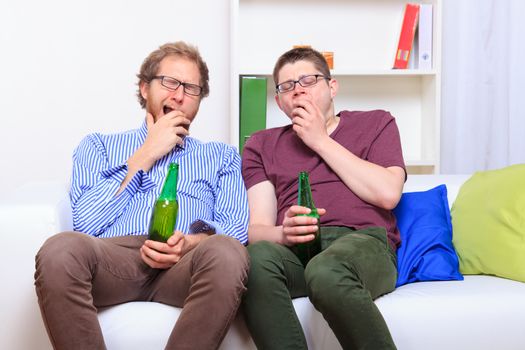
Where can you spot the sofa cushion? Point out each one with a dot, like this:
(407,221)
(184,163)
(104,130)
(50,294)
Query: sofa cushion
(488,217)
(480,312)
(426,252)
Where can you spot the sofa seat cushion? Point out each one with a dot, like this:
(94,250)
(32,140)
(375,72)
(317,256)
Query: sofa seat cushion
(457,314)
(423,315)
(147,325)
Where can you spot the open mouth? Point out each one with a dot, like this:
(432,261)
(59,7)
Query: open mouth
(167,109)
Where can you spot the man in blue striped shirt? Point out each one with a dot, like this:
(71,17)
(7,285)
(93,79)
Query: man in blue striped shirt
(116,179)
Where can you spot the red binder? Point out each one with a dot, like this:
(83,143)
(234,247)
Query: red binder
(406,38)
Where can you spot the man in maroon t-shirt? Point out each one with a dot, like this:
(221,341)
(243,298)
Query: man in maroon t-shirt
(357,172)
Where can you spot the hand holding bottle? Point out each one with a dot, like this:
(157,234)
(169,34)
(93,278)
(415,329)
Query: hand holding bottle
(298,227)
(307,250)
(160,255)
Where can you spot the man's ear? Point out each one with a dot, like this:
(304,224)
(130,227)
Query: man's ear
(144,87)
(278,101)
(334,87)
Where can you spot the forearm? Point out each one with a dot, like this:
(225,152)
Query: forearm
(265,233)
(98,207)
(140,160)
(94,199)
(372,183)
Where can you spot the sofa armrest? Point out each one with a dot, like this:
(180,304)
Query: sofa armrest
(45,204)
(28,216)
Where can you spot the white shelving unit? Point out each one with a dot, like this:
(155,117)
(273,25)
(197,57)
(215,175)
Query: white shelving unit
(363,35)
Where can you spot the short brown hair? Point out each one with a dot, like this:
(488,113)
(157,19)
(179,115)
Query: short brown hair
(301,54)
(150,66)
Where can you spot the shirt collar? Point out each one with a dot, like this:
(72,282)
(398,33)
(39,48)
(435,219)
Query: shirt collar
(143,131)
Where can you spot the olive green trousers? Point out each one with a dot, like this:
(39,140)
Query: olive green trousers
(353,269)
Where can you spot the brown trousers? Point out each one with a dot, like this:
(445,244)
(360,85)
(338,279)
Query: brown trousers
(77,273)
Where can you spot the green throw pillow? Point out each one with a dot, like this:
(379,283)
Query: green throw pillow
(488,220)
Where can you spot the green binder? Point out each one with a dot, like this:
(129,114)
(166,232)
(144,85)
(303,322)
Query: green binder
(252,107)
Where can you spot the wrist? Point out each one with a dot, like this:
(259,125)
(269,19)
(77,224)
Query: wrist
(322,144)
(141,160)
(281,237)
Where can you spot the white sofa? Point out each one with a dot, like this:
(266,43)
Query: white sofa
(481,312)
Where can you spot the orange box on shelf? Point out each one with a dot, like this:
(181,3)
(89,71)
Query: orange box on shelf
(329,57)
(302,46)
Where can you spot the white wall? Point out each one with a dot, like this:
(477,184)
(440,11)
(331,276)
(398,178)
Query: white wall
(68,68)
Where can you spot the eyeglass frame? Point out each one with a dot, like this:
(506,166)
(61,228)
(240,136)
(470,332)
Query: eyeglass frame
(162,77)
(317,76)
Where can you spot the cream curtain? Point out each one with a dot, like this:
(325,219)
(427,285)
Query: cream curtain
(483,85)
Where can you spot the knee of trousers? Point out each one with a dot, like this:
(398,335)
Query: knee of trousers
(61,256)
(265,261)
(325,273)
(264,251)
(224,257)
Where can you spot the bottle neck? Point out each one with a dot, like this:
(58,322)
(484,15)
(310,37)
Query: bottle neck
(169,189)
(305,193)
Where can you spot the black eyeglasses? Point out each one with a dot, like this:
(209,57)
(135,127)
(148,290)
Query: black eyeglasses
(173,84)
(304,81)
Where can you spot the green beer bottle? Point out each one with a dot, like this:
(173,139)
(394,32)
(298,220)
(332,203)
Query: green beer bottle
(306,251)
(164,215)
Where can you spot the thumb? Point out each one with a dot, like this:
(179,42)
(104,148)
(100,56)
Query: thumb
(149,120)
(175,238)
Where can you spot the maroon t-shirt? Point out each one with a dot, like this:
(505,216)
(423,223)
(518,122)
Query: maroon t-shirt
(278,155)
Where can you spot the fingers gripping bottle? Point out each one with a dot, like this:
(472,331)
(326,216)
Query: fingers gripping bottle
(306,251)
(164,215)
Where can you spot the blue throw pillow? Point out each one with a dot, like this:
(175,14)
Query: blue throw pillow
(426,252)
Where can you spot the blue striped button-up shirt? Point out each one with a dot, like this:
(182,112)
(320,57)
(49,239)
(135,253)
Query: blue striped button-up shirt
(210,190)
